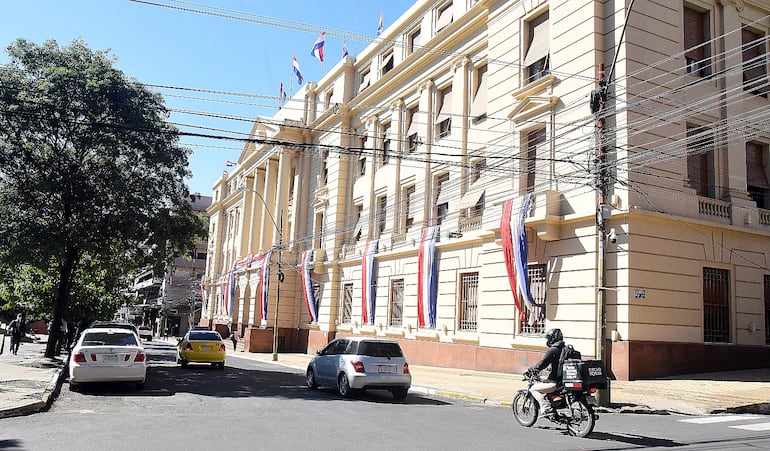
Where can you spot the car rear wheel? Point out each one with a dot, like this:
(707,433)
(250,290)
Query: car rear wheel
(310,379)
(343,386)
(399,394)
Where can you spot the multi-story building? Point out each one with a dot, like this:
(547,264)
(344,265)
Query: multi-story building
(485,170)
(171,302)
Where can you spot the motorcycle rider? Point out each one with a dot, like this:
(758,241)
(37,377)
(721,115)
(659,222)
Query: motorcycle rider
(555,342)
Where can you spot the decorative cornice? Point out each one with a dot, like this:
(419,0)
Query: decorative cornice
(738,4)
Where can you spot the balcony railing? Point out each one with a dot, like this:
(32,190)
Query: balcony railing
(764,217)
(468,224)
(714,207)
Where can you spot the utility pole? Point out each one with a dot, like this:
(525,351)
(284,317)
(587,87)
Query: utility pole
(278,289)
(603,212)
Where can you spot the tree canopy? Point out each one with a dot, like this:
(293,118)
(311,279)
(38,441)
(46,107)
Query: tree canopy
(92,175)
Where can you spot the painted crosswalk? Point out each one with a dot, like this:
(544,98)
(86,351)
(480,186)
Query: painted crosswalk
(745,422)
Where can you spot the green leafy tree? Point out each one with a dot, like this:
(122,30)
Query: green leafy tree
(91,172)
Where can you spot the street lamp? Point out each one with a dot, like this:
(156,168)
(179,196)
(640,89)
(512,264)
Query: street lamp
(279,230)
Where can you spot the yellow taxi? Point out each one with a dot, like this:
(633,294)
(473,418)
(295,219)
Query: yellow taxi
(201,346)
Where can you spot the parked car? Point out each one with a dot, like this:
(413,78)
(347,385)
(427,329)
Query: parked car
(201,346)
(145,333)
(360,363)
(108,355)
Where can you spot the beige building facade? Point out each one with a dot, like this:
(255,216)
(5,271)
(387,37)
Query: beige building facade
(407,169)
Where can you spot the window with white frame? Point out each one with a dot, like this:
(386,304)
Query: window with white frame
(385,150)
(444,16)
(386,63)
(411,129)
(382,213)
(441,183)
(408,207)
(537,58)
(413,42)
(347,304)
(538,285)
(479,103)
(469,301)
(697,41)
(444,108)
(396,302)
(754,48)
(364,80)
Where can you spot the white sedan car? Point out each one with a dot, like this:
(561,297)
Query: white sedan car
(108,355)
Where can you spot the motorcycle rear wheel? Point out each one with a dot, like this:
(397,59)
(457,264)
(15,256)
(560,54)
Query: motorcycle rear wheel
(525,409)
(583,419)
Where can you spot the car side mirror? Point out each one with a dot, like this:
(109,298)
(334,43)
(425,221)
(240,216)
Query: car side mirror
(319,352)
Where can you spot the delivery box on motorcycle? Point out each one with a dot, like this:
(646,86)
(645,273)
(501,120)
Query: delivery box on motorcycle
(583,374)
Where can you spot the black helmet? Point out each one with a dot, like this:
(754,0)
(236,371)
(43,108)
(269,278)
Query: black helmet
(553,336)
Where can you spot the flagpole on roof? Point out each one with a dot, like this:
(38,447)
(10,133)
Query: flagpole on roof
(291,77)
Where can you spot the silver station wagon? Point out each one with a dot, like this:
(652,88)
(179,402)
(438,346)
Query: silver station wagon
(360,363)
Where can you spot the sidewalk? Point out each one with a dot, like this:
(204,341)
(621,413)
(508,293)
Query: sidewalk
(28,382)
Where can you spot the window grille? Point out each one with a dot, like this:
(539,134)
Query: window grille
(347,304)
(469,301)
(396,302)
(537,286)
(716,305)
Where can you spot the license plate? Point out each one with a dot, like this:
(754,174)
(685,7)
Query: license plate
(591,400)
(385,368)
(205,348)
(110,357)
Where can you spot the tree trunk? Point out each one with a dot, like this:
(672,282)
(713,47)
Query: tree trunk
(61,302)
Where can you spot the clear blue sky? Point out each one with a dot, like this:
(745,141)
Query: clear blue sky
(170,47)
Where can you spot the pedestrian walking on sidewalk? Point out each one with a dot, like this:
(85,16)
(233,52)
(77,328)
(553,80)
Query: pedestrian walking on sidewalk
(16,328)
(234,337)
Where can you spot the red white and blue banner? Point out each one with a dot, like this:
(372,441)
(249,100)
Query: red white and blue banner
(264,282)
(508,256)
(230,291)
(318,47)
(368,274)
(427,278)
(204,301)
(307,286)
(520,251)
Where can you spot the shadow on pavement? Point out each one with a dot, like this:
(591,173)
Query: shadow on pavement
(165,378)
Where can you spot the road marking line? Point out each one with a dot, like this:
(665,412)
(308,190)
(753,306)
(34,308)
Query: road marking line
(714,419)
(754,427)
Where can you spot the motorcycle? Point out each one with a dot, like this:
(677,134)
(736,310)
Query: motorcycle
(572,403)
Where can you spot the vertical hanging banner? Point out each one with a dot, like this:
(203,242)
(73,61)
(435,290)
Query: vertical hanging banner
(221,298)
(204,301)
(264,282)
(508,256)
(427,278)
(368,275)
(520,251)
(307,285)
(230,291)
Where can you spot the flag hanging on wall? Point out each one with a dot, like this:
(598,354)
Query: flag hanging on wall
(520,251)
(508,255)
(318,47)
(427,278)
(368,281)
(307,285)
(295,69)
(204,301)
(264,282)
(230,291)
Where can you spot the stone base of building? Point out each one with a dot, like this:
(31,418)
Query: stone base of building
(629,360)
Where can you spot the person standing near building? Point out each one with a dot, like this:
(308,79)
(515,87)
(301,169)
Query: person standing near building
(234,337)
(16,328)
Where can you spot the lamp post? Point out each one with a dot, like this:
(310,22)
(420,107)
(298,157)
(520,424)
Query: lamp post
(279,246)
